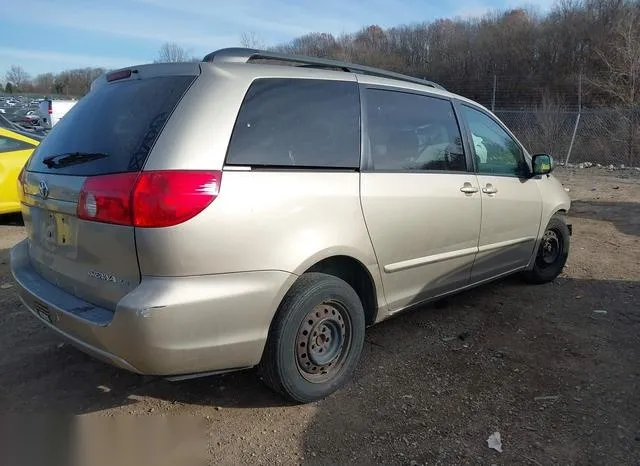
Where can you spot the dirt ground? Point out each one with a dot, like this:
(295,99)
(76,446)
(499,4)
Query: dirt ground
(554,368)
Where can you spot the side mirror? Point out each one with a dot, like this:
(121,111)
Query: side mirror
(542,164)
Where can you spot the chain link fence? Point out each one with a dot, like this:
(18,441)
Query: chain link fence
(609,137)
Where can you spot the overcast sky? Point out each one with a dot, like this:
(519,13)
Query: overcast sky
(53,35)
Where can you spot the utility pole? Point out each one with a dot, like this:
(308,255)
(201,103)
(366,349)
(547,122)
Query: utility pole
(573,139)
(493,97)
(575,128)
(580,92)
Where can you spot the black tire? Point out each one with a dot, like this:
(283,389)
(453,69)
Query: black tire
(552,253)
(321,305)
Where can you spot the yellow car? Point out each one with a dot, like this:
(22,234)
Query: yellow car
(15,149)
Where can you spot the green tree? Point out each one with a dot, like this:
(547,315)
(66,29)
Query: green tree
(8,88)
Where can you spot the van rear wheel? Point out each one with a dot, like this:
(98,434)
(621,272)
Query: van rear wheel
(315,340)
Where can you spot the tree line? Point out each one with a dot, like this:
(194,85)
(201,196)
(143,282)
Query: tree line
(531,59)
(74,82)
(77,82)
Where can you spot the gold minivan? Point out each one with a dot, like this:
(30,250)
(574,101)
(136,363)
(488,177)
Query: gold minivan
(190,219)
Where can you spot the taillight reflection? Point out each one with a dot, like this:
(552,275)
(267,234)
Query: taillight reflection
(21,181)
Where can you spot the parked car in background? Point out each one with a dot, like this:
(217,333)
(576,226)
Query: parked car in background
(51,111)
(8,124)
(15,114)
(228,214)
(31,119)
(15,149)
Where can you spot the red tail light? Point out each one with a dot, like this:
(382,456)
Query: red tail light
(169,198)
(50,108)
(116,75)
(149,199)
(107,198)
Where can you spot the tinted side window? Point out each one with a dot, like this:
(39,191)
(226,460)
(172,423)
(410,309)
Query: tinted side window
(298,123)
(413,132)
(8,144)
(496,153)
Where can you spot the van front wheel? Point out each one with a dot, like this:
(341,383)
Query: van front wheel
(552,253)
(315,340)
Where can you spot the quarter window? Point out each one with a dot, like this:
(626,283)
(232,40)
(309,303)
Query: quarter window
(298,123)
(412,132)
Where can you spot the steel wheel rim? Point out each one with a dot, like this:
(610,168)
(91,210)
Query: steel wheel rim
(550,248)
(323,341)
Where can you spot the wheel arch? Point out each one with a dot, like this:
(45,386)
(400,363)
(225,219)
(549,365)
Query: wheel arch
(562,209)
(357,275)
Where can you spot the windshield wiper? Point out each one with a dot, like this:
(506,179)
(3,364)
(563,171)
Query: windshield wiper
(72,158)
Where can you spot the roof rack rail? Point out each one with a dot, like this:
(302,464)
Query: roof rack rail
(243,55)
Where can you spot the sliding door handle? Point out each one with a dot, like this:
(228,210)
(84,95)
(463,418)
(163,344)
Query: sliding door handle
(489,189)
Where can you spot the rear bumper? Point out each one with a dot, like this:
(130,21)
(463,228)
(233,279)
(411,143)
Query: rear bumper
(167,325)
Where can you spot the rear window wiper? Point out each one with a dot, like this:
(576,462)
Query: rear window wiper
(72,158)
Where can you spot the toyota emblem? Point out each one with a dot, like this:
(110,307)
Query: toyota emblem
(44,190)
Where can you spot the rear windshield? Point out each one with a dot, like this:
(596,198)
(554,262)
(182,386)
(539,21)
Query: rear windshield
(119,121)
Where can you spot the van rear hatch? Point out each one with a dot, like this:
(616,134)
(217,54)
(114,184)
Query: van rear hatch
(100,145)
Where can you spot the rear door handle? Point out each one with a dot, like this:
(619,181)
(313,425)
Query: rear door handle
(489,189)
(468,188)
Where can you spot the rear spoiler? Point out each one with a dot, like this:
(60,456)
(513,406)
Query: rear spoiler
(147,71)
(6,124)
(33,135)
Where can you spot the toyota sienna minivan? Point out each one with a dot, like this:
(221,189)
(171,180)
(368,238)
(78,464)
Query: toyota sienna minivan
(261,210)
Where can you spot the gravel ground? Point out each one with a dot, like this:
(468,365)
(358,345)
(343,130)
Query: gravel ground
(554,368)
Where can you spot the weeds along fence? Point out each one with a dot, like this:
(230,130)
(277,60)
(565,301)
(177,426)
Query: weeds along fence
(603,136)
